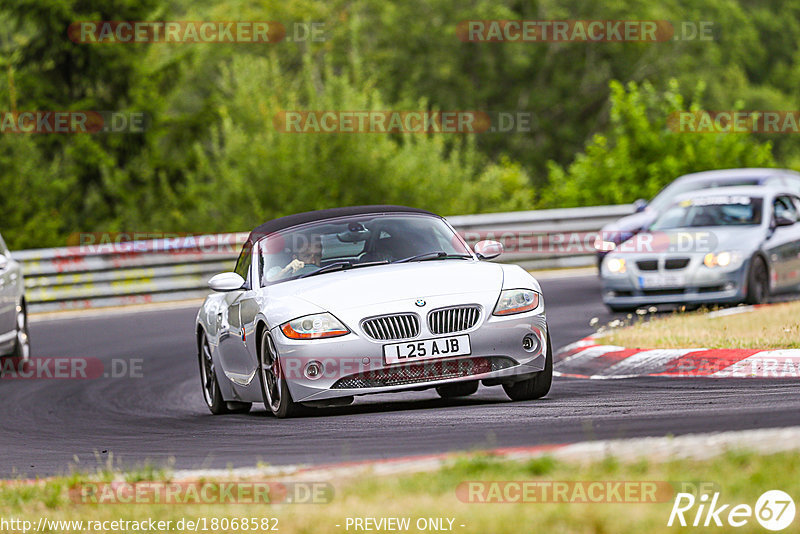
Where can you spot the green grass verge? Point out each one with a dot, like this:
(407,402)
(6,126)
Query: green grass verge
(740,477)
(768,327)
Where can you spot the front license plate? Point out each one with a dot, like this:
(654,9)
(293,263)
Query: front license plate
(427,349)
(661,280)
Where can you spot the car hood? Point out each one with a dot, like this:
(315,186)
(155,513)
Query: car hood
(368,286)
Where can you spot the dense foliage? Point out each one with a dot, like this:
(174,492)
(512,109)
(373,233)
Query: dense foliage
(212,160)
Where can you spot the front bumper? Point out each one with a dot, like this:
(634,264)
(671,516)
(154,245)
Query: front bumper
(701,285)
(354,364)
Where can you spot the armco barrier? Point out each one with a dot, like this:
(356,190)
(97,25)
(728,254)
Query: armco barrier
(164,270)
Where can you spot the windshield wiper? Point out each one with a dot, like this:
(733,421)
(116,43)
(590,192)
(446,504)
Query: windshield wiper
(341,266)
(330,267)
(440,255)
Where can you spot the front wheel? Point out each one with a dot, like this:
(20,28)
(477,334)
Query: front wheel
(208,379)
(537,386)
(274,388)
(757,282)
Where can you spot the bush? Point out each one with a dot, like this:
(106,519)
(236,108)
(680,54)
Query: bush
(639,155)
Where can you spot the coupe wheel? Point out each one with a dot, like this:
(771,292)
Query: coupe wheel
(757,282)
(537,386)
(274,389)
(208,380)
(459,389)
(22,347)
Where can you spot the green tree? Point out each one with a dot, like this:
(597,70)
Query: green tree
(640,154)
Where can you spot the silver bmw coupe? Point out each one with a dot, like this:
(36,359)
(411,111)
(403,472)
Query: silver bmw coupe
(327,305)
(718,246)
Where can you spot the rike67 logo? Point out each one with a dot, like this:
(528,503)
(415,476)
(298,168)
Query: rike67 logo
(774,510)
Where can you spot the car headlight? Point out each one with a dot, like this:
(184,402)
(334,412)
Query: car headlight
(513,301)
(315,326)
(616,265)
(604,246)
(722,259)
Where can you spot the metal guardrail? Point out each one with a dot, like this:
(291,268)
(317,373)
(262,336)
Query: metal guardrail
(159,270)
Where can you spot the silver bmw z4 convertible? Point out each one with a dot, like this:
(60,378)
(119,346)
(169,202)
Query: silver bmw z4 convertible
(326,305)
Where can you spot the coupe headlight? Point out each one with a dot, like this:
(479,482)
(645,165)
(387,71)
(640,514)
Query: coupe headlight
(616,265)
(315,326)
(722,259)
(516,301)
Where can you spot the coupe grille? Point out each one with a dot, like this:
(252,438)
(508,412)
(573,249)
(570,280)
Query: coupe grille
(449,320)
(676,263)
(392,327)
(424,372)
(647,265)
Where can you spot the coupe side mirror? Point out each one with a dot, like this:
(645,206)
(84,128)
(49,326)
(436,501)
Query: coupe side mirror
(486,250)
(226,282)
(783,221)
(639,205)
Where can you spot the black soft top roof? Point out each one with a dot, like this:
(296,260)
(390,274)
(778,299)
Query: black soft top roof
(281,223)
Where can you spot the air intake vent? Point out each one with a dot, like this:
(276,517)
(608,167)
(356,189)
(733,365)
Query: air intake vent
(676,263)
(424,372)
(647,265)
(392,327)
(449,320)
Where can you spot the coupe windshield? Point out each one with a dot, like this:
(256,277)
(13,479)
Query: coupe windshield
(718,210)
(355,242)
(668,194)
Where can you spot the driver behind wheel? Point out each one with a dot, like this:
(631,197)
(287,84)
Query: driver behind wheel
(308,254)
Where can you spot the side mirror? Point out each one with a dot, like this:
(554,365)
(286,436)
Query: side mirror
(639,205)
(226,282)
(486,250)
(783,221)
(3,263)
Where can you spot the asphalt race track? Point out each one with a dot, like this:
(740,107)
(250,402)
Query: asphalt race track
(51,426)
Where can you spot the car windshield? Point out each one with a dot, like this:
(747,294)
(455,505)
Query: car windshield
(668,194)
(355,242)
(717,210)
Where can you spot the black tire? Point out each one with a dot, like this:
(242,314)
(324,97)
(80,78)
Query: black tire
(277,398)
(537,386)
(459,389)
(22,345)
(757,281)
(208,381)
